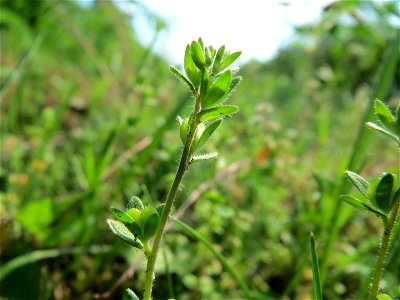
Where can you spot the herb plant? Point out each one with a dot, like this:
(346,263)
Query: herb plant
(381,196)
(210,81)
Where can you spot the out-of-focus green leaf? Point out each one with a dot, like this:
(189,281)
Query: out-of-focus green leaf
(36,216)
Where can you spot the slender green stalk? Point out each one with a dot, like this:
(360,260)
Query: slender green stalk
(385,78)
(183,165)
(384,249)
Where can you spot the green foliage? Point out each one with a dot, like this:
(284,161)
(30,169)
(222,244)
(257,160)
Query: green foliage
(136,225)
(88,118)
(383,194)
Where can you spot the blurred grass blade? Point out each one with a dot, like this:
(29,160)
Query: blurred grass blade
(315,270)
(38,255)
(224,262)
(21,65)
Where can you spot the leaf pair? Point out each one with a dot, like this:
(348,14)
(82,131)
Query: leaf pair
(136,225)
(383,193)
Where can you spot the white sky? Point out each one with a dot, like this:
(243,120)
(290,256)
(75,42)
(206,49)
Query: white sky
(255,27)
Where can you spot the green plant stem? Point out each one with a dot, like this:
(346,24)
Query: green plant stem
(383,251)
(183,165)
(385,78)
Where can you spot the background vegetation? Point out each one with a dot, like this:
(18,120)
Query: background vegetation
(88,119)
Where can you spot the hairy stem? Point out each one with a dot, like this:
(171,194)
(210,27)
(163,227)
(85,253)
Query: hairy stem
(183,165)
(383,251)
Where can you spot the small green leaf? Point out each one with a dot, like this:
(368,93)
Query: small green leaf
(209,57)
(207,134)
(135,202)
(191,70)
(149,222)
(218,112)
(383,130)
(203,157)
(199,133)
(383,297)
(218,90)
(234,83)
(201,43)
(182,77)
(230,59)
(217,61)
(198,55)
(359,182)
(160,209)
(385,116)
(395,199)
(184,129)
(383,192)
(121,231)
(131,294)
(204,83)
(398,118)
(360,205)
(213,53)
(134,213)
(121,215)
(315,270)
